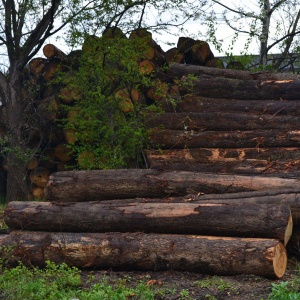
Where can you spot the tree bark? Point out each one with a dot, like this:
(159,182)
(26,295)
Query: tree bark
(231,88)
(75,186)
(139,251)
(176,139)
(176,71)
(259,221)
(193,103)
(222,121)
(277,161)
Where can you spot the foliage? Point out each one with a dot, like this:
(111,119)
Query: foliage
(63,282)
(107,121)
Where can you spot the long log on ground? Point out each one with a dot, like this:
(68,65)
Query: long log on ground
(193,103)
(177,70)
(219,120)
(138,251)
(237,161)
(93,185)
(260,221)
(176,139)
(230,88)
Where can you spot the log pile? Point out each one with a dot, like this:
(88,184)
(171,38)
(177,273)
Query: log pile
(220,196)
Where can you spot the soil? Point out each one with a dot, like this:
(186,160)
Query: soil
(186,285)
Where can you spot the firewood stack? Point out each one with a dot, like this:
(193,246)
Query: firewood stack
(221,193)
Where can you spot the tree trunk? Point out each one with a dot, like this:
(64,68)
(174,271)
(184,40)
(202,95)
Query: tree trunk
(231,88)
(175,139)
(259,221)
(139,251)
(131,183)
(17,188)
(193,103)
(222,121)
(238,161)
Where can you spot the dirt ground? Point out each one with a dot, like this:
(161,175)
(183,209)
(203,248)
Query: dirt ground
(186,285)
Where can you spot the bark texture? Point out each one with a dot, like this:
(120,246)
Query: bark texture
(265,220)
(72,186)
(204,254)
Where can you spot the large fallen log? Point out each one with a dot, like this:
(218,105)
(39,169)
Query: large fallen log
(193,103)
(222,121)
(93,185)
(179,139)
(260,221)
(229,88)
(177,70)
(138,251)
(277,161)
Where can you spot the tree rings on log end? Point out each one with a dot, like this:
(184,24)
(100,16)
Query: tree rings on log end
(279,257)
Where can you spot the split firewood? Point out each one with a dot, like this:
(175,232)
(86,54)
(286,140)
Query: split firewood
(260,221)
(139,251)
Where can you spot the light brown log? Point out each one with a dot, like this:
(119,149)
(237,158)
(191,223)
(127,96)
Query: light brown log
(260,221)
(37,193)
(192,103)
(32,164)
(176,71)
(51,51)
(63,153)
(39,176)
(222,121)
(173,55)
(146,67)
(158,91)
(69,94)
(131,183)
(229,88)
(176,139)
(276,161)
(138,251)
(36,65)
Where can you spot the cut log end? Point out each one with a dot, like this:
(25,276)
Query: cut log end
(288,230)
(279,259)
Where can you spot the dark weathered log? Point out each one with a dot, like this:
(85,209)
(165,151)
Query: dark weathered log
(130,183)
(277,161)
(192,103)
(177,70)
(176,139)
(222,121)
(195,52)
(231,88)
(260,221)
(138,251)
(290,196)
(51,51)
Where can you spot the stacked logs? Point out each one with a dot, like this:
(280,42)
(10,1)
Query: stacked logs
(92,223)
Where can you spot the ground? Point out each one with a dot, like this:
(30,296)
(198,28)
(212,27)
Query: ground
(186,285)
